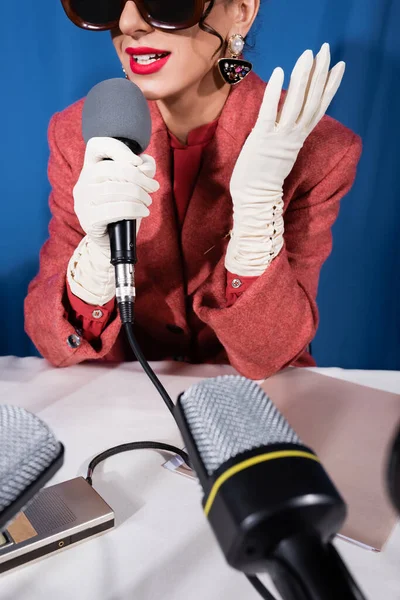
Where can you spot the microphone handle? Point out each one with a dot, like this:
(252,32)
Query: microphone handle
(123,242)
(304,568)
(123,255)
(123,234)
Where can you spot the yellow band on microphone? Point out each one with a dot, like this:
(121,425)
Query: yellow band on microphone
(250,462)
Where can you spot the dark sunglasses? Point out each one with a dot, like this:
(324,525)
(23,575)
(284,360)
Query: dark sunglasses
(99,15)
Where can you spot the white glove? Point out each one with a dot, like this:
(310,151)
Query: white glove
(269,155)
(107,191)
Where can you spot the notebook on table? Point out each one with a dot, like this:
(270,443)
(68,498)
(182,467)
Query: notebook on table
(351,428)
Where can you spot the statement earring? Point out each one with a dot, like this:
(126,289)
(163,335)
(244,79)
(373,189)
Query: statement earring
(125,73)
(231,67)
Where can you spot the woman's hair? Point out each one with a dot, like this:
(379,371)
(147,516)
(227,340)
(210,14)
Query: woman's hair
(207,28)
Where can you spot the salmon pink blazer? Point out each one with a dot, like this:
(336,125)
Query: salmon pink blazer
(181,309)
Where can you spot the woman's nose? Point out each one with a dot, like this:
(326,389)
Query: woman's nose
(131,21)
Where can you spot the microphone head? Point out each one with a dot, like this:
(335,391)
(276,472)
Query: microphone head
(261,484)
(117,108)
(229,415)
(29,456)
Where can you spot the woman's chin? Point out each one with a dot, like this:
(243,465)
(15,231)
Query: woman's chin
(153,95)
(151,90)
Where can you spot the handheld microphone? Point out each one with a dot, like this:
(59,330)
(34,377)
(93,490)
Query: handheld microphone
(29,457)
(117,108)
(268,499)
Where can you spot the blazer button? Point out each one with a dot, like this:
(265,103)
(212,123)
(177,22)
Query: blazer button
(236,283)
(175,329)
(74,341)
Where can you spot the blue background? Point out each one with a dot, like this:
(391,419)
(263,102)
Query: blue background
(47,63)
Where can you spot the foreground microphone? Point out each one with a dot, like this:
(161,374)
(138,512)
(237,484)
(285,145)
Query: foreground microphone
(117,108)
(268,499)
(29,457)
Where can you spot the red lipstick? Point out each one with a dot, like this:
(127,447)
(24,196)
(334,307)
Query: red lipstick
(156,59)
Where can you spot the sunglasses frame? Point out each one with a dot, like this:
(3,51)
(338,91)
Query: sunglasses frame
(141,6)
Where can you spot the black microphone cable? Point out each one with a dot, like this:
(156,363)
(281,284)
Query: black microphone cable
(126,314)
(260,587)
(127,448)
(147,369)
(126,311)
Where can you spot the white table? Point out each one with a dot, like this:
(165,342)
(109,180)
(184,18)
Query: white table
(162,547)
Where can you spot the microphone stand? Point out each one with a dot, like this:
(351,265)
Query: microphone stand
(304,568)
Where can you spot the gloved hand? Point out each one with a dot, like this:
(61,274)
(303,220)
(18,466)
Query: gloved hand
(107,191)
(269,155)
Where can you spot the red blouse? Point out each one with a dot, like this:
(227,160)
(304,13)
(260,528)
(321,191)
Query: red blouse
(186,163)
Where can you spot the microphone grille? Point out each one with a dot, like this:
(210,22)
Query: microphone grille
(228,415)
(117,108)
(28,447)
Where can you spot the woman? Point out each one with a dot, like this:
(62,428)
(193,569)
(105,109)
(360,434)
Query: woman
(234,231)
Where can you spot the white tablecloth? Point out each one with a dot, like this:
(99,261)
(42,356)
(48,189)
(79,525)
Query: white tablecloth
(162,548)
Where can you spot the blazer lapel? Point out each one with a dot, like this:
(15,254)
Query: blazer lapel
(165,259)
(208,220)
